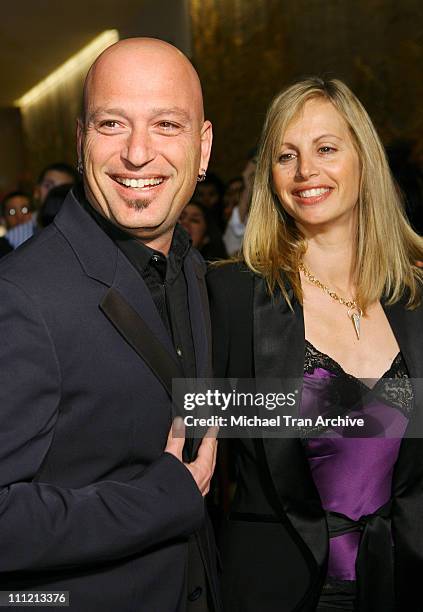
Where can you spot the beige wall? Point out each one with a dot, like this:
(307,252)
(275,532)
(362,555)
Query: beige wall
(246,51)
(49,125)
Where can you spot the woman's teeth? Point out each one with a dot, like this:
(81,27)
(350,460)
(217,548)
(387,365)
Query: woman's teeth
(312,193)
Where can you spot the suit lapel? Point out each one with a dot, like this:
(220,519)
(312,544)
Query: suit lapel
(127,303)
(135,331)
(130,308)
(133,290)
(279,353)
(407,326)
(198,304)
(199,314)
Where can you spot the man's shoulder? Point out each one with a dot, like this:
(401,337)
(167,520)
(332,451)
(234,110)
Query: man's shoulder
(40,260)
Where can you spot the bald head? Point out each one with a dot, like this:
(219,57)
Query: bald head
(143,140)
(146,55)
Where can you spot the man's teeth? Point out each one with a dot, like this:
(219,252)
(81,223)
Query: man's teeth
(137,183)
(312,193)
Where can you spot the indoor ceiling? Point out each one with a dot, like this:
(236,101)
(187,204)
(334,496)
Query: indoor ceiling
(37,36)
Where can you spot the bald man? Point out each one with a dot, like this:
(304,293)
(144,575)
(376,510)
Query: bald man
(98,313)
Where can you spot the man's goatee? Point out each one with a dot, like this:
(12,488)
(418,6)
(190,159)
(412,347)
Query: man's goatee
(139,204)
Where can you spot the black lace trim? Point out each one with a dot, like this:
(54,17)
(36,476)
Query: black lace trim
(393,388)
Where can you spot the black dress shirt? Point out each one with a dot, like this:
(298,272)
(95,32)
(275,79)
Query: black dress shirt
(165,279)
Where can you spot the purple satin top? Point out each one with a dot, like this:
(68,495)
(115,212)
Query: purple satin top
(352,474)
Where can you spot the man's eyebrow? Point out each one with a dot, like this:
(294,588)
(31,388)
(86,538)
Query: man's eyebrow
(173,110)
(104,110)
(154,112)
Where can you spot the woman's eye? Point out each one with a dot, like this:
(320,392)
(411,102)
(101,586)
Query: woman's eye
(286,157)
(326,149)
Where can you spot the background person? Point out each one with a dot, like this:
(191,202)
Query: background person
(54,175)
(52,204)
(16,209)
(232,193)
(327,291)
(235,227)
(51,176)
(203,230)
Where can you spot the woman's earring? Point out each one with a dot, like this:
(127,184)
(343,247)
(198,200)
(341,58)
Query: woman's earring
(80,166)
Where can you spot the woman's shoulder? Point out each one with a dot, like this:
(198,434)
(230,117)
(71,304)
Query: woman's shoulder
(229,276)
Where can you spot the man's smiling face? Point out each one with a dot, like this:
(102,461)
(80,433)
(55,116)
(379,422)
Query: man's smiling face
(144,140)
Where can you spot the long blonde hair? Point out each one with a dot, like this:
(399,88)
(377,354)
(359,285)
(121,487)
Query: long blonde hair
(387,248)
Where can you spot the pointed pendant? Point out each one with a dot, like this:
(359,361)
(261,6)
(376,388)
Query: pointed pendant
(356,321)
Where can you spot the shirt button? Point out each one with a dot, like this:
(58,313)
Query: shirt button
(179,352)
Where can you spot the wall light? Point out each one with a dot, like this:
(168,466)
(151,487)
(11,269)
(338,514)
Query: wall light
(85,56)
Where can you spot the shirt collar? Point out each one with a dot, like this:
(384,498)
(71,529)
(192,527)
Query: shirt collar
(168,267)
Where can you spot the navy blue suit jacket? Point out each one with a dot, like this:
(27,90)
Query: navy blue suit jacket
(88,500)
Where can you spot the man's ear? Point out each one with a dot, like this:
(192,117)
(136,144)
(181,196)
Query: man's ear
(206,145)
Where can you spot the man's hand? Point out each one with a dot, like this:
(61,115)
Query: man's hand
(203,467)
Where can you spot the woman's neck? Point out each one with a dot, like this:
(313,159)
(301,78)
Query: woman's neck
(330,257)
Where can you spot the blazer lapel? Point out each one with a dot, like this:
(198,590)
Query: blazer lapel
(133,289)
(198,304)
(407,481)
(407,326)
(135,331)
(279,353)
(130,308)
(199,314)
(127,303)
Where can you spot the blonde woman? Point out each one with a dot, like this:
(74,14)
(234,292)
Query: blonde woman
(327,289)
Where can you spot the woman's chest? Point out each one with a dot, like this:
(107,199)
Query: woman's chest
(330,328)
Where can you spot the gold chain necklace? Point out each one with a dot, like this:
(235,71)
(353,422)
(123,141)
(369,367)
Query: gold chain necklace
(354,311)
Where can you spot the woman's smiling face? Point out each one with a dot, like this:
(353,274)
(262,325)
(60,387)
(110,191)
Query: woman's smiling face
(317,174)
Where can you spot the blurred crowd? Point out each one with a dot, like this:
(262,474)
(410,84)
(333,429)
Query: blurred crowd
(216,215)
(22,213)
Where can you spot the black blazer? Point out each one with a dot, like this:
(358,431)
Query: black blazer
(276,542)
(89,502)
